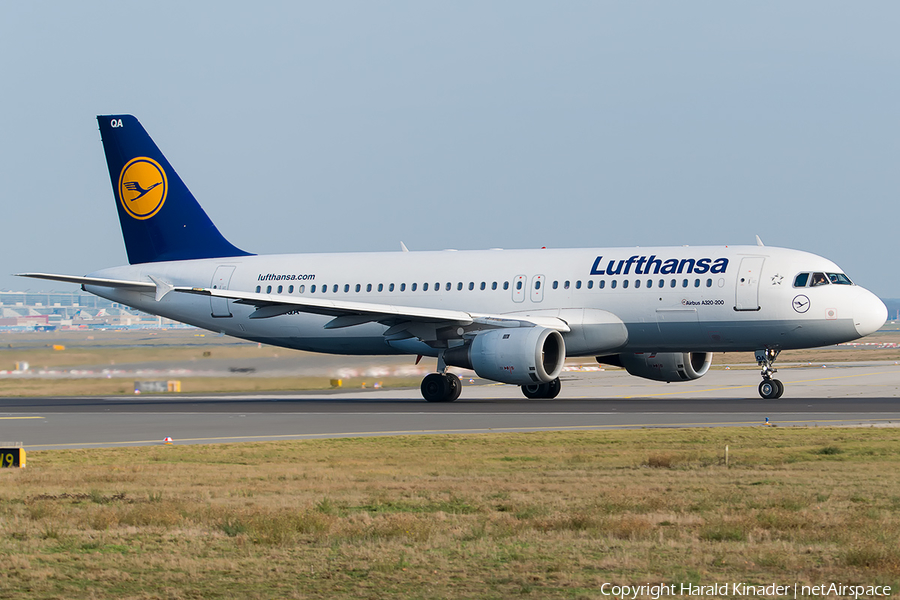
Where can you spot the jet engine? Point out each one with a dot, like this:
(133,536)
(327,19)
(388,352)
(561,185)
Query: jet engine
(662,366)
(521,355)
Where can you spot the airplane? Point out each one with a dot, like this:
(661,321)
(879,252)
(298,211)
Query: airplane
(511,316)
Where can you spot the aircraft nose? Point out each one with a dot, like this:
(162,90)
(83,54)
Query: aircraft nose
(869,313)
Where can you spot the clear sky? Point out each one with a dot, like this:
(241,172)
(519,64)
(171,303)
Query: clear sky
(348,126)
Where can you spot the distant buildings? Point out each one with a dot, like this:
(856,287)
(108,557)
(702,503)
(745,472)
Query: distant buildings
(71,310)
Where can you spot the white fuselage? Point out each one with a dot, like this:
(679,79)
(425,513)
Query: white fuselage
(725,298)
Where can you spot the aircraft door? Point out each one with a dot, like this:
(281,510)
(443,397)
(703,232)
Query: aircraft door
(747,292)
(220,281)
(518,291)
(537,288)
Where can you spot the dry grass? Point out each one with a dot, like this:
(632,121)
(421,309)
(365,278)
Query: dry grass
(553,515)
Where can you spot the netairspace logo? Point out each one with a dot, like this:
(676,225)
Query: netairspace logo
(744,590)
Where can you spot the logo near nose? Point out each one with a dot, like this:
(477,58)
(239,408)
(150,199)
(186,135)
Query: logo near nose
(142,187)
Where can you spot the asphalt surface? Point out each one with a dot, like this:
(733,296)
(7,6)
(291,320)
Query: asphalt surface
(866,394)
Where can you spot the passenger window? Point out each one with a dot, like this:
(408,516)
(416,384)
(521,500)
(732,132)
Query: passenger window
(279,289)
(402,287)
(483,285)
(537,284)
(625,284)
(324,288)
(346,287)
(425,287)
(290,289)
(391,288)
(449,285)
(612,284)
(649,283)
(494,286)
(819,279)
(459,285)
(801,280)
(637,283)
(412,288)
(312,289)
(268,289)
(301,289)
(336,288)
(566,285)
(672,283)
(662,283)
(368,287)
(358,287)
(471,285)
(505,285)
(380,287)
(696,283)
(602,284)
(578,285)
(709,283)
(555,284)
(684,283)
(258,289)
(590,284)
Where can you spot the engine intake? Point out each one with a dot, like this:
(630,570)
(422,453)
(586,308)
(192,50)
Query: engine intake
(521,355)
(662,366)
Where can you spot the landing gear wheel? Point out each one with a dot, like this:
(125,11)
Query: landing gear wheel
(542,390)
(771,389)
(441,387)
(533,390)
(780,388)
(553,389)
(454,385)
(435,387)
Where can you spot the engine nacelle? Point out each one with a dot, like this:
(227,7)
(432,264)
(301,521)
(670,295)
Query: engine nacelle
(664,366)
(520,355)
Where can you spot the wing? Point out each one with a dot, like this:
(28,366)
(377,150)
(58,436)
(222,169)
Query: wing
(160,288)
(427,324)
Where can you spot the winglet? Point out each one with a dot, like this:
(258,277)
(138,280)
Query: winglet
(759,241)
(403,247)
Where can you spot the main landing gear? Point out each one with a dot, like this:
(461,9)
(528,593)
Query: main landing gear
(542,390)
(441,387)
(769,389)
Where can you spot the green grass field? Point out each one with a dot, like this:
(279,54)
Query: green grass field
(541,515)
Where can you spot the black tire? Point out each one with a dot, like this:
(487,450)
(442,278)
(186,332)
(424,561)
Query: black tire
(768,389)
(780,388)
(553,389)
(435,388)
(454,385)
(533,390)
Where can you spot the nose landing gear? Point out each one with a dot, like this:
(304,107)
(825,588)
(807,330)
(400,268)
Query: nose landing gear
(769,389)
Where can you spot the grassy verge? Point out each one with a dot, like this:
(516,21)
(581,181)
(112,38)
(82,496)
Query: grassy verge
(550,515)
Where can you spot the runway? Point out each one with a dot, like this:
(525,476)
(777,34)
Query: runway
(845,395)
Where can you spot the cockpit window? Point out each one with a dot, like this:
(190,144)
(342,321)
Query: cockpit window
(819,279)
(839,279)
(801,280)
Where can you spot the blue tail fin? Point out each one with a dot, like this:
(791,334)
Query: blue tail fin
(160,218)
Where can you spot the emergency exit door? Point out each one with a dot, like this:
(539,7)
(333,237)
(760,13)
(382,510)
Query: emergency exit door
(747,292)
